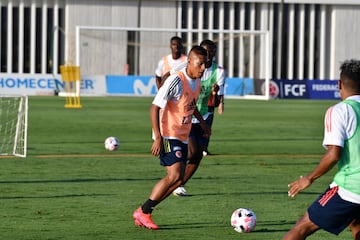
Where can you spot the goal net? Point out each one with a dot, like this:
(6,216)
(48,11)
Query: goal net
(13,125)
(136,51)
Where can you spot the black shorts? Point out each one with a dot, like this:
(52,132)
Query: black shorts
(197,133)
(331,213)
(172,151)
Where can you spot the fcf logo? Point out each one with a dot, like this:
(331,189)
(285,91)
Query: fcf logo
(296,90)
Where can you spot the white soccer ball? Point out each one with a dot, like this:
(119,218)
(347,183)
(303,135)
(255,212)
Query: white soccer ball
(112,143)
(243,220)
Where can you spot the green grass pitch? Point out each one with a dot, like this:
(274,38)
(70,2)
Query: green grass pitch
(70,187)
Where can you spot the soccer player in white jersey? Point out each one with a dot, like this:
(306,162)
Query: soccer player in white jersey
(170,61)
(339,206)
(177,101)
(212,88)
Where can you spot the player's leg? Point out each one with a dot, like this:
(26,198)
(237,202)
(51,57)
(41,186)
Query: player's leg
(181,191)
(196,147)
(194,157)
(162,189)
(303,228)
(197,143)
(209,122)
(355,229)
(329,212)
(192,147)
(193,163)
(173,157)
(172,180)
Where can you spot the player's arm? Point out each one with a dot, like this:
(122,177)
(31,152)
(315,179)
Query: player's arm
(158,81)
(329,159)
(167,74)
(221,106)
(165,94)
(214,98)
(220,92)
(159,73)
(155,124)
(204,126)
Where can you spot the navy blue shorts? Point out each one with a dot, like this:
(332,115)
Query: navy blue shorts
(173,151)
(331,213)
(197,133)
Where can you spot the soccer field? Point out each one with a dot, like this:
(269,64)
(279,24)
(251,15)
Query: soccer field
(70,187)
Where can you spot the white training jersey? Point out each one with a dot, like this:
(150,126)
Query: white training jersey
(173,63)
(171,90)
(340,124)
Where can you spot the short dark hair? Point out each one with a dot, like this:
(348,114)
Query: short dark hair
(350,73)
(208,42)
(198,50)
(176,38)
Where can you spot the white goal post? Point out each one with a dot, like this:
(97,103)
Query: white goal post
(101,50)
(13,125)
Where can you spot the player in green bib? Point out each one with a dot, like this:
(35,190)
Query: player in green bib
(348,175)
(206,93)
(339,206)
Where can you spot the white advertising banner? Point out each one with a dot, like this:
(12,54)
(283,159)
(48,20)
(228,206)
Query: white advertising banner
(47,84)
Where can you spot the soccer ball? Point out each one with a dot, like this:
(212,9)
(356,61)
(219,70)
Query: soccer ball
(111,143)
(243,220)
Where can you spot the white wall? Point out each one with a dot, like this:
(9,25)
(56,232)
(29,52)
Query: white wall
(101,52)
(155,14)
(346,35)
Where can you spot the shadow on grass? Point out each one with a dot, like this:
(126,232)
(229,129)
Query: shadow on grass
(275,223)
(260,164)
(270,226)
(266,230)
(252,193)
(262,227)
(188,225)
(55,196)
(79,180)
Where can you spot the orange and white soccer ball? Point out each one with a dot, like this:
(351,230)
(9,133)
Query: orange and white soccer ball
(243,220)
(112,143)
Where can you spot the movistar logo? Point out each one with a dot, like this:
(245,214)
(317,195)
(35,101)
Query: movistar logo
(141,88)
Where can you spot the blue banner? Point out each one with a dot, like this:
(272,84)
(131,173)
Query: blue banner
(47,84)
(307,89)
(323,89)
(146,85)
(131,85)
(296,89)
(239,86)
